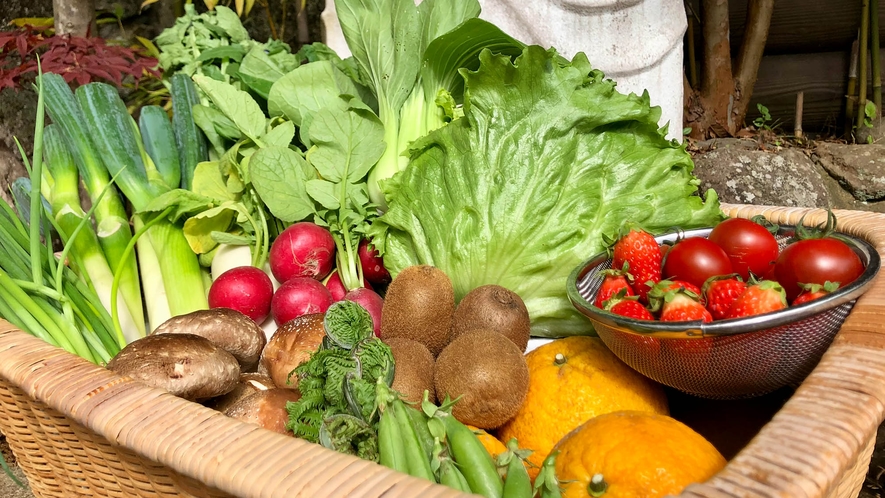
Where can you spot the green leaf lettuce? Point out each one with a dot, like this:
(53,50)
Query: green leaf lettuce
(520,190)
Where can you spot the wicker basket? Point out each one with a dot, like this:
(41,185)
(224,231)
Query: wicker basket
(80,430)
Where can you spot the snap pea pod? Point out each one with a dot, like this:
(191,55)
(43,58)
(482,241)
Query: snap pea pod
(417,461)
(517,484)
(390,443)
(547,484)
(450,476)
(419,423)
(478,468)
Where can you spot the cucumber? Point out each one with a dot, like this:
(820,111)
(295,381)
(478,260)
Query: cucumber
(159,143)
(192,146)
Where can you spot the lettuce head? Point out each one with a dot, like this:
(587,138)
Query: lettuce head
(546,159)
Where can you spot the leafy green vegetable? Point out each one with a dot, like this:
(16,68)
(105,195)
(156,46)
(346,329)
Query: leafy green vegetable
(239,107)
(215,44)
(329,184)
(521,189)
(406,54)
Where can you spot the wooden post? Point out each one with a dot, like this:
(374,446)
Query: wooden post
(74,17)
(797,127)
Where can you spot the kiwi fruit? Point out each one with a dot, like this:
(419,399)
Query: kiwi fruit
(419,305)
(493,307)
(414,369)
(489,375)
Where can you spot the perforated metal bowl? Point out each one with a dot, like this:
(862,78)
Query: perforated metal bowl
(724,359)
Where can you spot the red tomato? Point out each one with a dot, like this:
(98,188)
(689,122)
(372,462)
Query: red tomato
(814,261)
(749,246)
(694,260)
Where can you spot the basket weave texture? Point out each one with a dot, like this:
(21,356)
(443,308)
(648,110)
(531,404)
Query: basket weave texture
(80,430)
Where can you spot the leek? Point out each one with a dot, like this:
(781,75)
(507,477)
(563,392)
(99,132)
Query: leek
(68,215)
(112,223)
(67,315)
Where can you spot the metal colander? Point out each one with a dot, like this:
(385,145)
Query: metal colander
(724,359)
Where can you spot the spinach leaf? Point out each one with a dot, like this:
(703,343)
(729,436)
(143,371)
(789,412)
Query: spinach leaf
(259,72)
(346,143)
(306,90)
(237,105)
(279,176)
(281,135)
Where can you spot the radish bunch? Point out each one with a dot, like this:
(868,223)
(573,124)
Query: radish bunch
(302,260)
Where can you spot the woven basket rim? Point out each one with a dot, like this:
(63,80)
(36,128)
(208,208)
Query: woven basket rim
(784,459)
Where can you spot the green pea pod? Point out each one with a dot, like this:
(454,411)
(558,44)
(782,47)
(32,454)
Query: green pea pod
(419,423)
(517,484)
(417,461)
(450,476)
(473,459)
(547,484)
(390,442)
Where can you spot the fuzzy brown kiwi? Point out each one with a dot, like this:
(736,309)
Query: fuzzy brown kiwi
(414,369)
(418,305)
(495,308)
(489,374)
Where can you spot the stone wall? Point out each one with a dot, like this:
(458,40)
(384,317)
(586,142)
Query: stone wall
(835,175)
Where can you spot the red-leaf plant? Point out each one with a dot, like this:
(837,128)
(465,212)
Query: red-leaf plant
(79,60)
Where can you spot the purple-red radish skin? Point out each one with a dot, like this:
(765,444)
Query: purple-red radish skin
(336,287)
(299,296)
(302,250)
(246,289)
(372,302)
(373,265)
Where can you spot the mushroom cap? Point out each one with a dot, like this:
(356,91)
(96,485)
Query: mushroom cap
(186,365)
(290,346)
(265,408)
(228,329)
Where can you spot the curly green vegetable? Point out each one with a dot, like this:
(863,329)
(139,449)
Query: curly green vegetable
(338,406)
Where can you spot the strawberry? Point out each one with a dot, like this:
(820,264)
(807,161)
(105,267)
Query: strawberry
(681,305)
(628,306)
(641,252)
(660,289)
(612,282)
(811,292)
(761,297)
(721,292)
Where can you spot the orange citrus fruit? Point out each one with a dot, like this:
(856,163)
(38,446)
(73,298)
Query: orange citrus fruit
(572,380)
(633,455)
(490,442)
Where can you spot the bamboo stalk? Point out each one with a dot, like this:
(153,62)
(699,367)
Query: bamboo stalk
(862,56)
(874,47)
(851,93)
(797,127)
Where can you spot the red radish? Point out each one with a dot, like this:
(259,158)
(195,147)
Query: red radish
(299,296)
(302,250)
(246,289)
(336,287)
(372,302)
(373,265)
